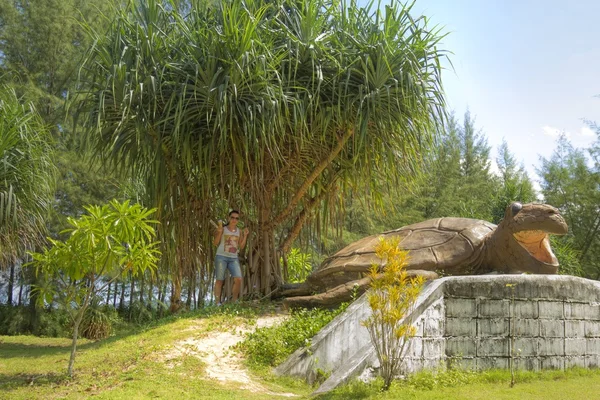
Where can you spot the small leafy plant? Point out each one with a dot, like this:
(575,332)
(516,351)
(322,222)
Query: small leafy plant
(391,297)
(103,245)
(299,265)
(271,346)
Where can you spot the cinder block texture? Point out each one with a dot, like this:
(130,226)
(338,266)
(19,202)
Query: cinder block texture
(480,322)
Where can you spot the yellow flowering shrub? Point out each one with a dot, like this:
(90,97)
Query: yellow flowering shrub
(392,296)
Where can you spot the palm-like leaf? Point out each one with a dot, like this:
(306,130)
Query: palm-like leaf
(26,176)
(269,103)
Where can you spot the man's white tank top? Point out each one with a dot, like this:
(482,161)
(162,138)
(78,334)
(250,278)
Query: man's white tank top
(230,243)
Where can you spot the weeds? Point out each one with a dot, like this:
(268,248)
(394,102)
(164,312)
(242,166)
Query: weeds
(271,346)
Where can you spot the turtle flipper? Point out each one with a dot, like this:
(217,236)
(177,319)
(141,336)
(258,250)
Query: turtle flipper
(339,294)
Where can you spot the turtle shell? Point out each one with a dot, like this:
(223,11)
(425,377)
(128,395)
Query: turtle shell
(451,245)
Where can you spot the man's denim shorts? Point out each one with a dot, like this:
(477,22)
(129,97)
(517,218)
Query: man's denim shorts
(232,264)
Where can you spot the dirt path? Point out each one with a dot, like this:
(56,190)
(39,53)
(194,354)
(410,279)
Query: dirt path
(223,363)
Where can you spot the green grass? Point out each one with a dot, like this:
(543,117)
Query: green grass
(130,366)
(572,384)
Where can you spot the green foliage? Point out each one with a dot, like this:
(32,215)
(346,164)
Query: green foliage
(570,183)
(266,104)
(98,321)
(54,323)
(42,43)
(457,180)
(467,384)
(139,313)
(430,380)
(80,183)
(299,265)
(26,176)
(515,184)
(391,297)
(109,242)
(568,256)
(15,320)
(271,346)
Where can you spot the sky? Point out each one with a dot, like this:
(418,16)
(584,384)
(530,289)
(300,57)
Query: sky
(527,70)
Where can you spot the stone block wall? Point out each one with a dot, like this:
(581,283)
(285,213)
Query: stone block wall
(426,348)
(542,332)
(544,321)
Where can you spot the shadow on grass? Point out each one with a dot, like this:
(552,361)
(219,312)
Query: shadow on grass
(20,350)
(9,349)
(14,381)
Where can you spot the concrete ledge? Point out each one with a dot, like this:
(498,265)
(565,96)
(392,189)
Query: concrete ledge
(479,322)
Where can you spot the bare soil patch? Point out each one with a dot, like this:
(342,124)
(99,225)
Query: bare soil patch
(223,364)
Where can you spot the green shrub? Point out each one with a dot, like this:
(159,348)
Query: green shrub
(16,320)
(271,346)
(54,323)
(430,380)
(568,256)
(139,313)
(299,265)
(98,321)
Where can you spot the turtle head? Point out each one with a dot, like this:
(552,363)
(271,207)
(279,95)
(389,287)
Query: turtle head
(523,244)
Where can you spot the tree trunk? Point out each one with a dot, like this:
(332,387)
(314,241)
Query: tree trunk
(150,292)
(19,301)
(176,292)
(188,299)
(76,324)
(21,284)
(162,298)
(74,343)
(132,289)
(34,312)
(11,280)
(108,293)
(164,292)
(159,290)
(142,288)
(115,295)
(122,298)
(265,284)
(286,274)
(194,290)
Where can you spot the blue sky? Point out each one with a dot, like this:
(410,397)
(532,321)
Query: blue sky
(526,69)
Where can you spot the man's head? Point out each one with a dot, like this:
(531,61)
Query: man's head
(234,217)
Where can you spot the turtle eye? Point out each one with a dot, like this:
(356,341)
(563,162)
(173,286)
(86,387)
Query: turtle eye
(515,208)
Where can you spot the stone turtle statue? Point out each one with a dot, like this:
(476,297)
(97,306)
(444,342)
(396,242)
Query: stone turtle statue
(452,246)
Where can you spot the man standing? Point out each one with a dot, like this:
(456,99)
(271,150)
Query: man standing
(230,241)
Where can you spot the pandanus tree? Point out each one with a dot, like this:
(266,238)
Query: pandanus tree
(26,177)
(271,105)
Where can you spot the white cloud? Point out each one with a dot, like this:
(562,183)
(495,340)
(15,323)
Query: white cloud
(494,169)
(554,132)
(586,131)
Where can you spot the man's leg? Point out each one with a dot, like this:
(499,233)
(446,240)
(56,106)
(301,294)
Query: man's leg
(237,284)
(218,287)
(220,266)
(236,272)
